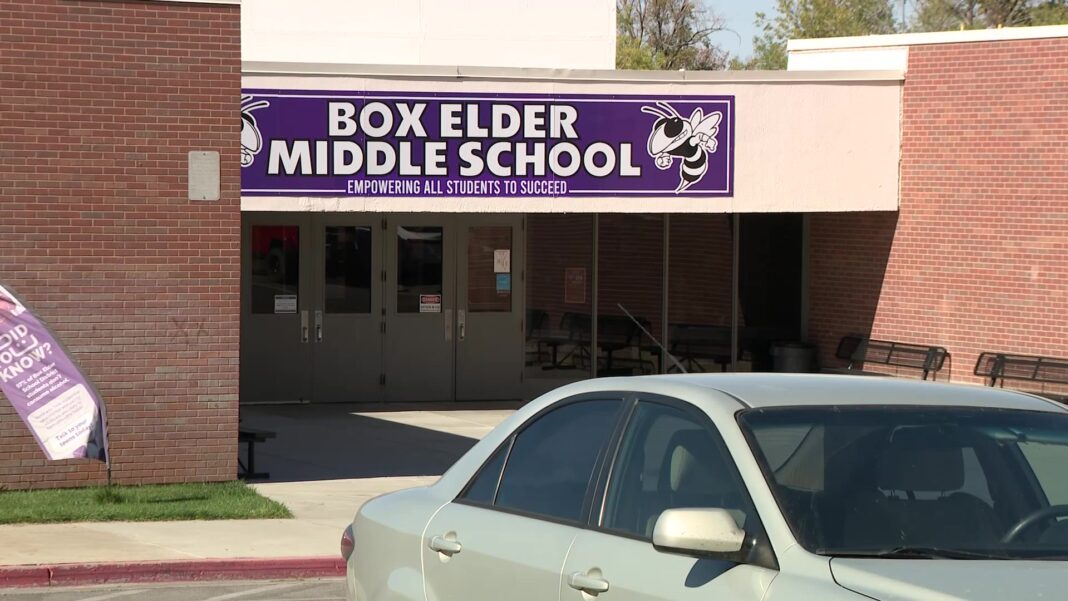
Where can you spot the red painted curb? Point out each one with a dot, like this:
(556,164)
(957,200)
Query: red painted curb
(171,571)
(24,576)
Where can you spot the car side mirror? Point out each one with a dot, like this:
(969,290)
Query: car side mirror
(693,530)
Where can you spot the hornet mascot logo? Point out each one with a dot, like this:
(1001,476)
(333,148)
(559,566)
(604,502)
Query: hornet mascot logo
(691,140)
(251,142)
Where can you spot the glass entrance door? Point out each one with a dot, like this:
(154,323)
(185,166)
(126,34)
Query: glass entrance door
(489,324)
(454,303)
(276,306)
(353,307)
(311,308)
(346,319)
(420,302)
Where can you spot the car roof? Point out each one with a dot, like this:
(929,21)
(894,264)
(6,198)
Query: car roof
(782,390)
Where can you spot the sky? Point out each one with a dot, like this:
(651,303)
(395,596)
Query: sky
(739,16)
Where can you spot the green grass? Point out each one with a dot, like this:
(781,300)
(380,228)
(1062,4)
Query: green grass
(169,502)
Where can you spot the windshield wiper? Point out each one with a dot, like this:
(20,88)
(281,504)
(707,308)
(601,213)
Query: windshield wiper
(916,553)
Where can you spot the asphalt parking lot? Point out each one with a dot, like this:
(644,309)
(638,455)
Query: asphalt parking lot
(286,590)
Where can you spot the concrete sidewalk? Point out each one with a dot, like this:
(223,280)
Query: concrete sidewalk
(321,511)
(321,508)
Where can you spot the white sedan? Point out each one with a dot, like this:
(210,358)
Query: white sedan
(740,487)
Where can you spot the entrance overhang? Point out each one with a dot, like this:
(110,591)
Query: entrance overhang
(788,142)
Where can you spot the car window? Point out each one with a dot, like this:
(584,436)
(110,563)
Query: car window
(1048,461)
(870,479)
(483,488)
(669,459)
(782,443)
(973,483)
(551,462)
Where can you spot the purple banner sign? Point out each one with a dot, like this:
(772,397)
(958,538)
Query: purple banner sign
(316,143)
(52,396)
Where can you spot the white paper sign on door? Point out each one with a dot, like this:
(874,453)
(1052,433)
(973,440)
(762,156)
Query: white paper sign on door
(502,260)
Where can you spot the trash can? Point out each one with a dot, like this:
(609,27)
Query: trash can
(793,357)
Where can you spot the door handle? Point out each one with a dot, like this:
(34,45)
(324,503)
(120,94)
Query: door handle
(303,326)
(445,546)
(318,326)
(461,323)
(590,583)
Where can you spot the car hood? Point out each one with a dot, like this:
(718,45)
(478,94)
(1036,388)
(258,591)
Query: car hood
(951,579)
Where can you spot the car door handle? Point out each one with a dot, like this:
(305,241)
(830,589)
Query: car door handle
(446,546)
(587,584)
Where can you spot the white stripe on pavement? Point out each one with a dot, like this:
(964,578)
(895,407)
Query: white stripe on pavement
(262,589)
(303,599)
(112,595)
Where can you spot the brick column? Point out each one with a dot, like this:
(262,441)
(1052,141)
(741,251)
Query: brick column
(100,102)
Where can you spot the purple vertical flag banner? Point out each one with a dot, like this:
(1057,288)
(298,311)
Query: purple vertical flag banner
(410,144)
(53,397)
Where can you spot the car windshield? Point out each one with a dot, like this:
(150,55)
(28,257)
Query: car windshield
(917,482)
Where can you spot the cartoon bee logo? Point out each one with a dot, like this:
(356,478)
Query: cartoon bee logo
(691,140)
(251,142)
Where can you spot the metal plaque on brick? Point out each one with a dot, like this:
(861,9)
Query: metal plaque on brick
(203,175)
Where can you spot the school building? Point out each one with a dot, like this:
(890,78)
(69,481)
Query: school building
(215,204)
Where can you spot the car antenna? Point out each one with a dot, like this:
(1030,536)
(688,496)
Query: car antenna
(653,338)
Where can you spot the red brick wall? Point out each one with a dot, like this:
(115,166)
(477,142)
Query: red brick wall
(848,254)
(699,272)
(979,258)
(101,102)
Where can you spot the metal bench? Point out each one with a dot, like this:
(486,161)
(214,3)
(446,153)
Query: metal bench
(249,437)
(619,334)
(998,367)
(567,346)
(927,360)
(536,324)
(696,345)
